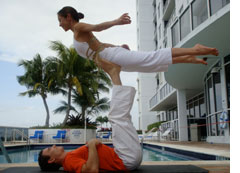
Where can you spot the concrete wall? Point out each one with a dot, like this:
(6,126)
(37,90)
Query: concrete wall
(72,135)
(146,81)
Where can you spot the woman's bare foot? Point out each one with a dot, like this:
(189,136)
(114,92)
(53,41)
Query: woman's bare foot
(204,50)
(195,60)
(189,59)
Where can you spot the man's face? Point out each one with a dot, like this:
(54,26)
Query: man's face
(53,152)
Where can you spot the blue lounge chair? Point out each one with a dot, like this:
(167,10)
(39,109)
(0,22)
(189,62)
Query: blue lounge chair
(107,136)
(37,135)
(61,134)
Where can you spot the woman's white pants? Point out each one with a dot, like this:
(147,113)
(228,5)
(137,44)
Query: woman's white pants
(139,61)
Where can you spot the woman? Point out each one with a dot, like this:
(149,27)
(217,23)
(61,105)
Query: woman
(88,46)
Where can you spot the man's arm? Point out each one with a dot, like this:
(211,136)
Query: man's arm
(84,27)
(92,164)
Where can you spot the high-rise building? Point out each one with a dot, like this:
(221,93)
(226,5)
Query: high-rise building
(193,101)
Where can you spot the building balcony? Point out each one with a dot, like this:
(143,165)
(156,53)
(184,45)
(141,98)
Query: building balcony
(213,32)
(168,7)
(164,98)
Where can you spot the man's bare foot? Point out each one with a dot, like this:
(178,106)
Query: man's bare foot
(204,50)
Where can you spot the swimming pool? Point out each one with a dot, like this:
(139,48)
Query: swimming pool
(150,153)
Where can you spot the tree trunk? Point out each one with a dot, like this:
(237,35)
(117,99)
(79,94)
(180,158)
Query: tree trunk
(47,110)
(69,106)
(85,124)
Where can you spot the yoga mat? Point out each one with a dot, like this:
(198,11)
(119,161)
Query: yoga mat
(141,169)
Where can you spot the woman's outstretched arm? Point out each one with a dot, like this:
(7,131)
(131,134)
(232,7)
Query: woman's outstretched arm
(84,27)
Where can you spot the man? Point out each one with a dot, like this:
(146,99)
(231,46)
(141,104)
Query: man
(94,156)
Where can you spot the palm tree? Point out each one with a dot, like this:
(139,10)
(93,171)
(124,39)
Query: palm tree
(87,108)
(105,120)
(67,70)
(100,120)
(36,80)
(74,70)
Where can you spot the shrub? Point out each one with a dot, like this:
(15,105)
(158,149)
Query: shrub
(156,124)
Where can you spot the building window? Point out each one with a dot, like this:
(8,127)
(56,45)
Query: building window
(227,78)
(191,110)
(216,5)
(196,107)
(213,85)
(159,10)
(185,27)
(213,126)
(217,91)
(210,96)
(175,34)
(199,12)
(202,108)
(159,32)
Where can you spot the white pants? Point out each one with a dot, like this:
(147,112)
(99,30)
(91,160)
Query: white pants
(138,61)
(125,138)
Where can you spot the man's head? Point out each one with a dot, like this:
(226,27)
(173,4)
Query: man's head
(50,159)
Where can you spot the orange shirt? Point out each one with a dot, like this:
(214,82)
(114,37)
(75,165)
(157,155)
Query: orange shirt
(108,159)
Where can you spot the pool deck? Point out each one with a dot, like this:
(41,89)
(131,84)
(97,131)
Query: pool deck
(201,147)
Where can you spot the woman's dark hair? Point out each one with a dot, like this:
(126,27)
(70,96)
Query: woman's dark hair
(44,165)
(70,10)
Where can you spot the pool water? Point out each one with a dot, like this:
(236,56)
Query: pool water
(158,155)
(30,156)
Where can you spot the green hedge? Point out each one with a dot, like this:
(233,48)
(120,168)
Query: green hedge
(157,124)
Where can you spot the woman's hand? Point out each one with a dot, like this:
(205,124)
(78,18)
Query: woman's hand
(124,19)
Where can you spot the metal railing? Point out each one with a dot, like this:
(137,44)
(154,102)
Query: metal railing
(16,131)
(161,94)
(4,151)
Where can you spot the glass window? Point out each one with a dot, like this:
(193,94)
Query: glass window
(191,110)
(175,114)
(172,115)
(216,5)
(218,92)
(175,34)
(202,108)
(220,131)
(210,96)
(185,24)
(213,126)
(196,109)
(227,77)
(2,133)
(208,126)
(159,10)
(199,12)
(159,32)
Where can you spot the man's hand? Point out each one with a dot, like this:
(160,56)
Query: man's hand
(93,142)
(92,164)
(125,46)
(124,19)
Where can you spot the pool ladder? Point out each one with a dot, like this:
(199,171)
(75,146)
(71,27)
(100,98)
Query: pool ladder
(23,136)
(4,151)
(150,131)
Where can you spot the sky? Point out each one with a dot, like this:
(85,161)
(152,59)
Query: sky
(27,27)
